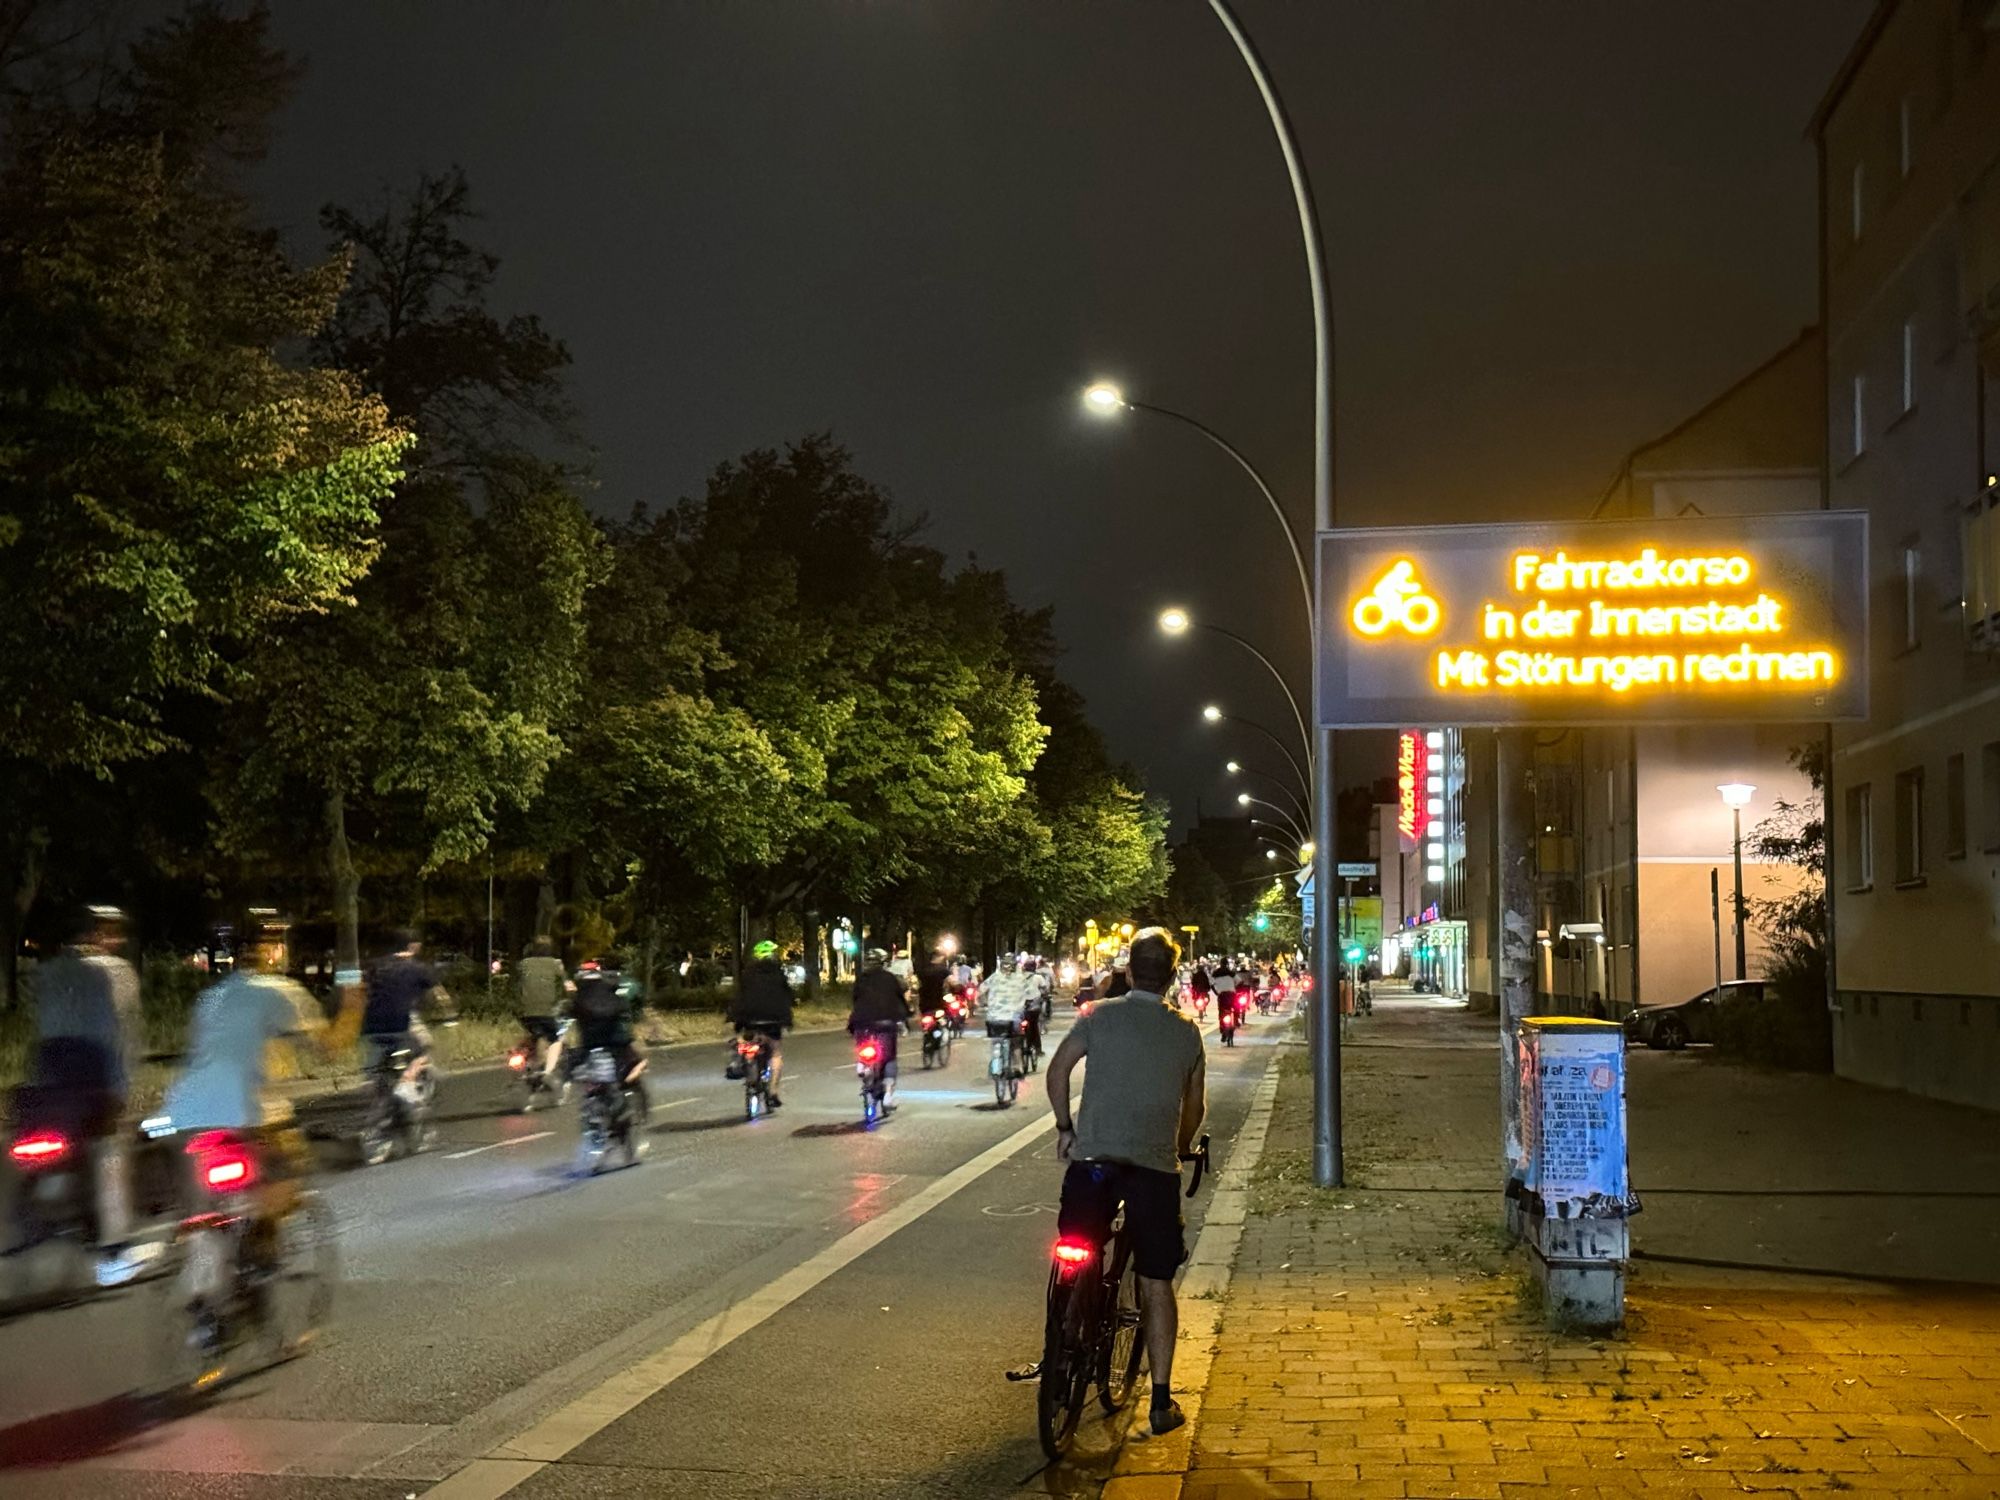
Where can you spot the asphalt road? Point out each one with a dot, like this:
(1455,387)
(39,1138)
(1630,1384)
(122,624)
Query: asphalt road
(791,1308)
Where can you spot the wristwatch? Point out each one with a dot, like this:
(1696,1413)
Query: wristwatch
(1066,1127)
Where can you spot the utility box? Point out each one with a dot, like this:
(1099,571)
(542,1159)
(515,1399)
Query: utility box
(1571,1185)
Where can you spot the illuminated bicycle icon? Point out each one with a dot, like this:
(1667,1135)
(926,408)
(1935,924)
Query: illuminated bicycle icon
(1397,599)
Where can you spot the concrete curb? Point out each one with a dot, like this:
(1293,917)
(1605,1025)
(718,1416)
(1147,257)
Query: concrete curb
(1155,1468)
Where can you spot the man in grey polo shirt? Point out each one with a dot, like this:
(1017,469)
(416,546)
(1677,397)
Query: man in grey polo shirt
(1140,1114)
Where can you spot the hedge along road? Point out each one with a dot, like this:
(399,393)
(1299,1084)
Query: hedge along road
(492,1305)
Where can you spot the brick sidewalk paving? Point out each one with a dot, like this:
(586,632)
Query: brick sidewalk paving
(1381,1340)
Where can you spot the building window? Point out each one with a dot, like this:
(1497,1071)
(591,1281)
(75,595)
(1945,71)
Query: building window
(1909,382)
(1989,797)
(1858,836)
(1858,437)
(1911,560)
(1979,564)
(1954,807)
(1904,122)
(1855,186)
(1910,826)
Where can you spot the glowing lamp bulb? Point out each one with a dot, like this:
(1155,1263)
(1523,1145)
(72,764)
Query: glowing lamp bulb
(1104,398)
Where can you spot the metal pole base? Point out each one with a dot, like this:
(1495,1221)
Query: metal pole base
(1580,1267)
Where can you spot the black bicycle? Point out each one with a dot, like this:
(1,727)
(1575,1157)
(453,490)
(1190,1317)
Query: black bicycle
(1091,1336)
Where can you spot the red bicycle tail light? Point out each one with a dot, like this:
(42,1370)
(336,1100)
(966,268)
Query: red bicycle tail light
(39,1148)
(227,1173)
(869,1052)
(223,1162)
(517,1061)
(1074,1252)
(930,1022)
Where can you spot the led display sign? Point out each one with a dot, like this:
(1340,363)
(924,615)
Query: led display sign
(1412,759)
(1740,618)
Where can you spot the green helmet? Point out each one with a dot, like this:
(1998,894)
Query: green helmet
(764,950)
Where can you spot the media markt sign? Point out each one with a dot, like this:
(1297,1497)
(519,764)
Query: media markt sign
(1598,622)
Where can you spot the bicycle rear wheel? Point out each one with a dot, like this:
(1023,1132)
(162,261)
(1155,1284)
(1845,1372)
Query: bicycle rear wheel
(297,1291)
(1125,1348)
(1066,1373)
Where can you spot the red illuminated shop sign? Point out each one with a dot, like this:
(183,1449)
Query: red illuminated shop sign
(1412,762)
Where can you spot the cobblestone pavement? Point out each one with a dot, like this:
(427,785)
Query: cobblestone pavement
(1384,1341)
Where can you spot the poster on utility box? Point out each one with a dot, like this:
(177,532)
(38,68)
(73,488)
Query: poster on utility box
(1572,1105)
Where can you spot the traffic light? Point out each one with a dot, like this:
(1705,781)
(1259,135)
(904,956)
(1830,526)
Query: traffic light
(1353,954)
(1262,921)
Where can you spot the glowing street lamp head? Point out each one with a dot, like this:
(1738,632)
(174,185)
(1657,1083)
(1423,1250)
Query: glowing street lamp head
(1212,714)
(1270,854)
(1736,793)
(1242,799)
(1308,850)
(1104,398)
(1174,621)
(1233,767)
(947,945)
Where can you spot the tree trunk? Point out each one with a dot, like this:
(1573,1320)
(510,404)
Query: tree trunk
(346,888)
(25,884)
(809,949)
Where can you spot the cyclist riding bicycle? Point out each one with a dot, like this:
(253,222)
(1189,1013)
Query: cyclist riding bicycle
(1142,1114)
(762,1007)
(881,1009)
(224,1086)
(1012,1004)
(540,986)
(400,987)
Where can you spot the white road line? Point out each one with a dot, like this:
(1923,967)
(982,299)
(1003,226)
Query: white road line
(676,1103)
(519,1140)
(527,1454)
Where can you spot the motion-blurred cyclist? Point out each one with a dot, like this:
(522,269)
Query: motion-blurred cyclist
(762,1007)
(881,1009)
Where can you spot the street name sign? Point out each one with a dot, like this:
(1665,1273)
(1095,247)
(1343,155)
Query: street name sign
(1355,869)
(1685,620)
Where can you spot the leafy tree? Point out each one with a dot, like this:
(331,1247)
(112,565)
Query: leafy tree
(431,706)
(1792,1027)
(171,488)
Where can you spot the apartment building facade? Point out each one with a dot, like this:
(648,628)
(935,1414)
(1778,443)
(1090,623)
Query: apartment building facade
(1908,139)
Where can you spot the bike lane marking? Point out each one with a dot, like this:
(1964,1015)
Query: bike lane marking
(526,1454)
(517,1140)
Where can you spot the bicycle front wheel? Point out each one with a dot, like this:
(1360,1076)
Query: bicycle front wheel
(1125,1353)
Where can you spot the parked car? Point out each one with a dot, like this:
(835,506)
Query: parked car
(1674,1026)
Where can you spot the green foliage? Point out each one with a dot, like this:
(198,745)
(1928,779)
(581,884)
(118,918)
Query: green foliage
(173,489)
(310,539)
(1791,1027)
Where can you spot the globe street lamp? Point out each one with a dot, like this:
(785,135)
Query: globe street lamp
(1107,400)
(1736,796)
(1278,783)
(1245,800)
(1213,714)
(1177,621)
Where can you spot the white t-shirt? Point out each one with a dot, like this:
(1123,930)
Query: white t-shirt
(223,1086)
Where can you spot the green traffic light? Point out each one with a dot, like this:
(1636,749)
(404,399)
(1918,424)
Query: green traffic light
(1354,955)
(1261,922)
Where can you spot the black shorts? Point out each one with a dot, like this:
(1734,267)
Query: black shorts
(771,1032)
(883,1037)
(998,1029)
(1091,1193)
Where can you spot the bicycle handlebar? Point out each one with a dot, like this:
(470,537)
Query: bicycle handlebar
(1199,1156)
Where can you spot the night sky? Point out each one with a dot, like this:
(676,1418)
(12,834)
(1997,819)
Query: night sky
(1554,230)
